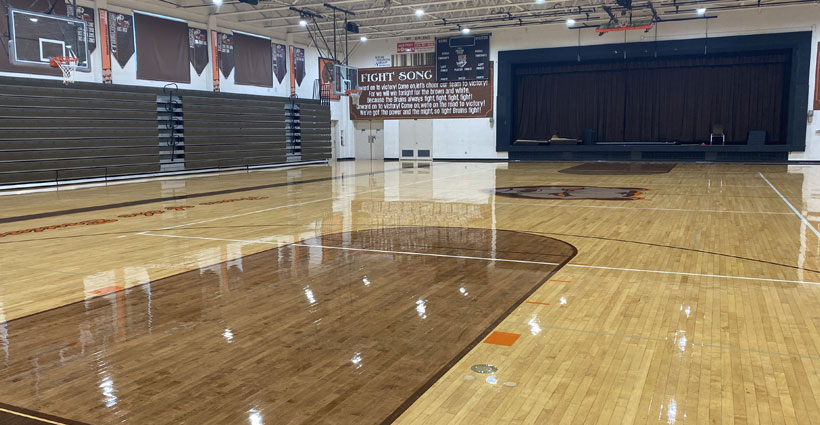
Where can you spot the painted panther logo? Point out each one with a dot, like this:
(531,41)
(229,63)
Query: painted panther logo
(572,192)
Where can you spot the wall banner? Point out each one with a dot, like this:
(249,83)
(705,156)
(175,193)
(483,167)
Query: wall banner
(413,93)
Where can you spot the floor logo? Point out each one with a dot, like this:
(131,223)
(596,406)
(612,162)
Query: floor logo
(572,192)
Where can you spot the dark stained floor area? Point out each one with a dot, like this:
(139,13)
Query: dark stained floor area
(13,415)
(619,168)
(347,328)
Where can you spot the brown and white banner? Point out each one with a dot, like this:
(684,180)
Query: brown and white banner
(121,37)
(413,93)
(198,49)
(86,14)
(280,61)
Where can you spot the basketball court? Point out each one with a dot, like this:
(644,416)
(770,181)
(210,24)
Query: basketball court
(314,245)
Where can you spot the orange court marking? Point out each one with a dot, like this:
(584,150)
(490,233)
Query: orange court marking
(502,338)
(536,302)
(107,290)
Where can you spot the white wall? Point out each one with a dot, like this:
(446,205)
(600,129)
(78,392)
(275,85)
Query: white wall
(475,138)
(128,74)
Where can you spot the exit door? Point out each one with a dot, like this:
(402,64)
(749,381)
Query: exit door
(416,139)
(369,140)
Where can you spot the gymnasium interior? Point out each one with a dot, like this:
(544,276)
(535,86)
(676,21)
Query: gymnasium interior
(267,212)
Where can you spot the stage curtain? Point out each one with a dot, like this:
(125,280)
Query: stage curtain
(254,60)
(162,49)
(654,100)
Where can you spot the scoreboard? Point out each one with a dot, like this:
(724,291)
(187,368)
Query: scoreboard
(463,58)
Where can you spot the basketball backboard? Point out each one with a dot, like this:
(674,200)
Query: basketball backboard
(35,38)
(346,78)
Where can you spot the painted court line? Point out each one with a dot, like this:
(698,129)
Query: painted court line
(304,203)
(665,340)
(797,213)
(249,241)
(565,205)
(23,415)
(503,260)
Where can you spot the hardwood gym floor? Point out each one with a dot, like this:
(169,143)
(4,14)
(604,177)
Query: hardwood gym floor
(363,293)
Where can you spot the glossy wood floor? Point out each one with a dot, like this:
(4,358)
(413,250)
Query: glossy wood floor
(699,303)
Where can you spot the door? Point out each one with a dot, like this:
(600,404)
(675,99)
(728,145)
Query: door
(416,139)
(369,140)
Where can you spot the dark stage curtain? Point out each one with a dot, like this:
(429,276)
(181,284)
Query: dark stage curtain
(162,49)
(654,100)
(254,60)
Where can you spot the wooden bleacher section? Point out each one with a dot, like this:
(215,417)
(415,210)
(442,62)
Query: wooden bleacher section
(50,132)
(223,131)
(315,130)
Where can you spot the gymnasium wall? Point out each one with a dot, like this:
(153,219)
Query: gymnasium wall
(90,130)
(476,138)
(197,18)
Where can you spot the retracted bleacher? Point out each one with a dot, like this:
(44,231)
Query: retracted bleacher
(315,130)
(53,133)
(222,131)
(50,132)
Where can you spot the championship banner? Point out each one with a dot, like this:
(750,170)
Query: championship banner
(225,49)
(215,62)
(86,14)
(326,70)
(413,93)
(106,48)
(280,61)
(299,65)
(198,49)
(121,37)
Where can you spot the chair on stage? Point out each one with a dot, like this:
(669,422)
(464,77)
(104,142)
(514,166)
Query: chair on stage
(717,133)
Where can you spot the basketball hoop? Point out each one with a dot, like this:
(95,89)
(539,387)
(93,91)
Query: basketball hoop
(354,95)
(68,65)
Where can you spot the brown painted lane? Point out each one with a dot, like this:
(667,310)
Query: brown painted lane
(12,415)
(346,328)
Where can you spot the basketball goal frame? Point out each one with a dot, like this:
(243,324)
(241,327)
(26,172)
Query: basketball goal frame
(46,41)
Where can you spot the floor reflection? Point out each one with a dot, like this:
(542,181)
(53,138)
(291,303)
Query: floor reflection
(340,328)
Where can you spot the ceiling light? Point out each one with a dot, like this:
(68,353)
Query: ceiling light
(570,22)
(363,38)
(539,1)
(217,2)
(303,22)
(419,12)
(35,20)
(465,30)
(701,10)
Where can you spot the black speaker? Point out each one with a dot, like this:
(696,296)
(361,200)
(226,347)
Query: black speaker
(352,27)
(756,138)
(589,136)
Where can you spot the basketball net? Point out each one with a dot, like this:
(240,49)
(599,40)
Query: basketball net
(68,65)
(354,96)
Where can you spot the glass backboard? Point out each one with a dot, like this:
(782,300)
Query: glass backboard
(35,38)
(346,78)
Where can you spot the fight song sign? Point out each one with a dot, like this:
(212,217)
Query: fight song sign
(413,93)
